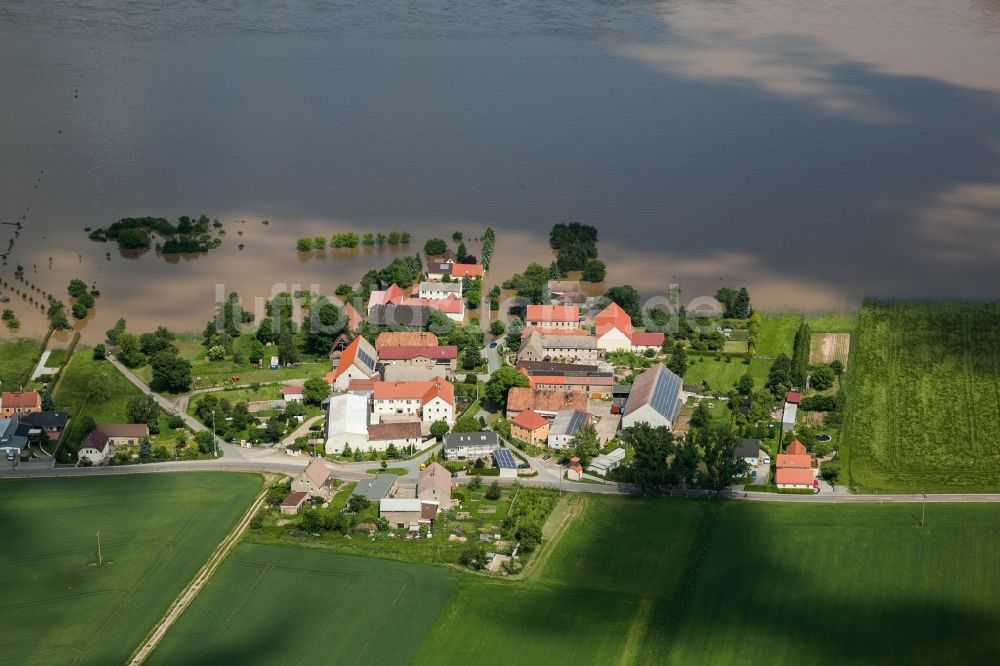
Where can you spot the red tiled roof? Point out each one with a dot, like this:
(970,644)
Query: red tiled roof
(561,313)
(292,390)
(405,339)
(561,380)
(445,352)
(354,318)
(18,400)
(529,420)
(380,432)
(346,359)
(793,397)
(648,339)
(796,448)
(794,476)
(611,317)
(423,391)
(361,385)
(467,270)
(786,461)
(520,399)
(576,467)
(99,436)
(294,499)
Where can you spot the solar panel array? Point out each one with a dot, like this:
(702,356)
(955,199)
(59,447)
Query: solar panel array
(504,459)
(666,394)
(366,359)
(576,421)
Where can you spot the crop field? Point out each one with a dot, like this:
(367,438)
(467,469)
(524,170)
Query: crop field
(157,530)
(925,399)
(674,582)
(827,347)
(278,605)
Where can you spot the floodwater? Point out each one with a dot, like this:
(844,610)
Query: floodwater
(816,152)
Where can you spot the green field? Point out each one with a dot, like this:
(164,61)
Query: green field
(671,582)
(156,532)
(777,331)
(71,395)
(722,375)
(17,360)
(271,605)
(925,398)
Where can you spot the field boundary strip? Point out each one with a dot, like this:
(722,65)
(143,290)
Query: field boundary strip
(192,589)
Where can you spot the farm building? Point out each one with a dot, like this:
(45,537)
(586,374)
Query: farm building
(462,445)
(347,422)
(788,416)
(574,472)
(568,346)
(443,357)
(655,398)
(383,435)
(293,393)
(358,361)
(405,339)
(546,403)
(401,513)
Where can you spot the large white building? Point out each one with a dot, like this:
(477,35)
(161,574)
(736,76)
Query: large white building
(347,422)
(655,398)
(428,401)
(440,290)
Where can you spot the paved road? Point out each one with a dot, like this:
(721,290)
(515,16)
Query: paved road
(492,359)
(270,460)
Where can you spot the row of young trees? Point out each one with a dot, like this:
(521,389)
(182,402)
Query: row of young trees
(351,239)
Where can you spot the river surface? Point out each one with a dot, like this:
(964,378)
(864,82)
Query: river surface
(816,152)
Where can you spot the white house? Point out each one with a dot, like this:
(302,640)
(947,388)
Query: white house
(552,316)
(440,290)
(99,446)
(429,401)
(463,445)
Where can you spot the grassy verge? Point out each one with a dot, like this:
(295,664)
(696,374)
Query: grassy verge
(19,357)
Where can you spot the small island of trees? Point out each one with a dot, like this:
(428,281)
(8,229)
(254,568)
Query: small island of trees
(188,236)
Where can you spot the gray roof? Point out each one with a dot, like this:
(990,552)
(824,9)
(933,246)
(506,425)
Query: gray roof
(454,287)
(397,372)
(456,440)
(748,448)
(12,433)
(375,489)
(569,342)
(46,419)
(439,267)
(659,388)
(568,421)
(619,389)
(405,316)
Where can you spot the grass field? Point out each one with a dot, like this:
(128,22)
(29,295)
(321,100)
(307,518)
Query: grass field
(71,394)
(156,531)
(671,582)
(722,376)
(269,604)
(17,359)
(925,398)
(777,331)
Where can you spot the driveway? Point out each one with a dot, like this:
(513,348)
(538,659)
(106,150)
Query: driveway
(606,423)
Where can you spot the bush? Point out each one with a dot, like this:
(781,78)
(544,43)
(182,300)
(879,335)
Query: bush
(493,492)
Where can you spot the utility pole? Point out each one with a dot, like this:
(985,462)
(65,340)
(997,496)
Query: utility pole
(215,443)
(923,510)
(99,558)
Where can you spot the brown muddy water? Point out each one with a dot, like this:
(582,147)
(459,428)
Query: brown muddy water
(816,152)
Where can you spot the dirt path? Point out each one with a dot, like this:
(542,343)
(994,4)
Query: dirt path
(188,594)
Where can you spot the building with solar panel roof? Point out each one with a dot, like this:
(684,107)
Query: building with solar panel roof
(505,462)
(655,398)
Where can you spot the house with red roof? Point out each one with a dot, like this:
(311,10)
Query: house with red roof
(98,447)
(796,468)
(613,329)
(358,361)
(559,317)
(575,471)
(530,426)
(427,401)
(13,402)
(460,271)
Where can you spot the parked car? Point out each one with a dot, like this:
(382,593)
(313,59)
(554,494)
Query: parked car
(454,475)
(524,466)
(315,428)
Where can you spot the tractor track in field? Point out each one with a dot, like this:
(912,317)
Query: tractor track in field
(192,589)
